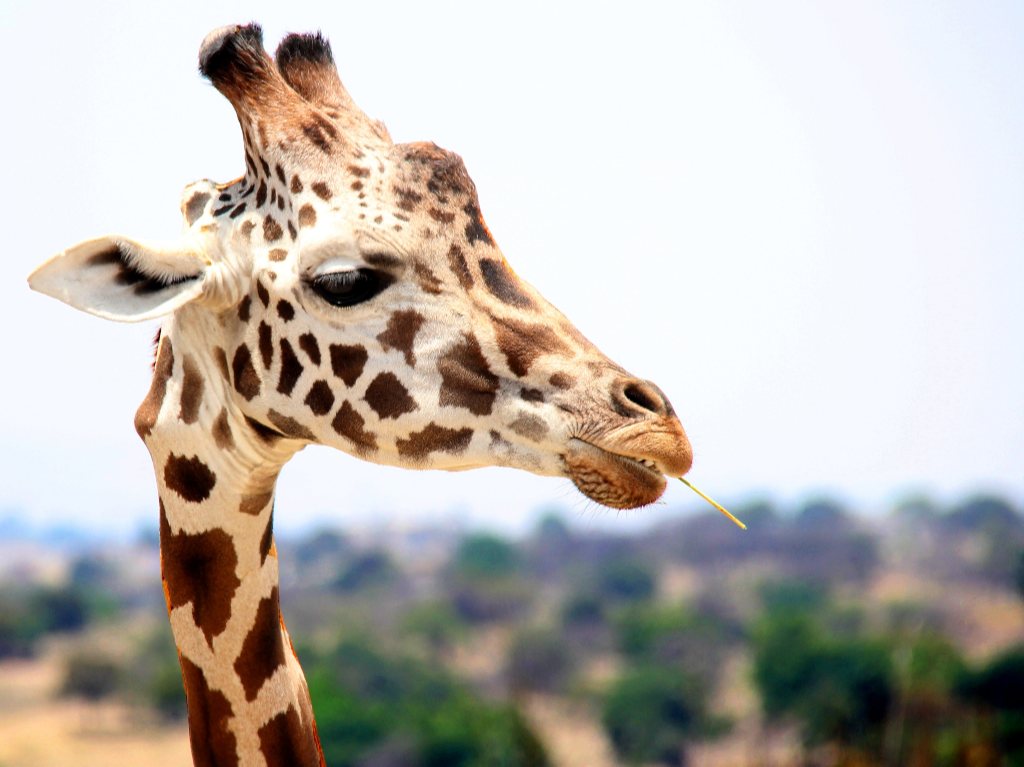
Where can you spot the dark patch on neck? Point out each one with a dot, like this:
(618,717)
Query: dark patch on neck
(285,739)
(265,433)
(199,568)
(434,439)
(400,334)
(503,284)
(149,410)
(247,382)
(320,398)
(253,504)
(476,229)
(524,342)
(266,344)
(209,712)
(285,310)
(190,478)
(195,206)
(308,344)
(466,378)
(351,425)
(263,649)
(291,368)
(388,397)
(289,426)
(348,362)
(191,390)
(457,263)
(222,431)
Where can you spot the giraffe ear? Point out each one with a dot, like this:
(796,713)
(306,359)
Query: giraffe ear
(120,279)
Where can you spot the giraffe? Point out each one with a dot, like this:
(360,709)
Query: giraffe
(344,291)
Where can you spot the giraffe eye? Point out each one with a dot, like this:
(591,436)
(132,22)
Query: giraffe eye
(351,286)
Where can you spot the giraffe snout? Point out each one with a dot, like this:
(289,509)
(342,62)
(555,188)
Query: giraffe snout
(635,397)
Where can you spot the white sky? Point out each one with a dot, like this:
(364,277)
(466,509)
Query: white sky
(803,220)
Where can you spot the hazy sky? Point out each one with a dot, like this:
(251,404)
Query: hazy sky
(803,220)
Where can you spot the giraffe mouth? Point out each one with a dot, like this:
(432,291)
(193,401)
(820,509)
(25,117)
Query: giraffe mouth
(613,479)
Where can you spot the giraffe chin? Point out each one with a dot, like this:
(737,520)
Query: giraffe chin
(611,479)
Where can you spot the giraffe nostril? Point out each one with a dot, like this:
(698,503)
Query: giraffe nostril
(643,395)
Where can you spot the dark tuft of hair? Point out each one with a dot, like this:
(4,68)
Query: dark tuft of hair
(312,47)
(239,51)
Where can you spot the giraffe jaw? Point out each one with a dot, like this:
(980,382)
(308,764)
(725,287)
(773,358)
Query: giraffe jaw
(613,479)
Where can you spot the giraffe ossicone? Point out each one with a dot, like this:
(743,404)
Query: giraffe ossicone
(344,291)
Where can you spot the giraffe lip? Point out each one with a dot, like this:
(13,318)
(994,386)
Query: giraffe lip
(612,479)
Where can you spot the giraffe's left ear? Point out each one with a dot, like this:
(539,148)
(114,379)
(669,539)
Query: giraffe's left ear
(120,279)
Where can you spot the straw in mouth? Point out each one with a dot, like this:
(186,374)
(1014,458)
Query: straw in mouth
(714,503)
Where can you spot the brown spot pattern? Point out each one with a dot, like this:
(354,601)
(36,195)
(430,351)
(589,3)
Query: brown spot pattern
(348,362)
(524,342)
(503,284)
(195,206)
(244,307)
(266,344)
(428,281)
(400,334)
(529,426)
(531,395)
(278,254)
(320,398)
(263,649)
(221,357)
(307,215)
(476,229)
(209,712)
(190,478)
(349,424)
(388,397)
(562,381)
(308,344)
(247,382)
(466,379)
(191,390)
(321,190)
(457,262)
(286,740)
(285,310)
(199,569)
(271,229)
(289,426)
(254,504)
(441,216)
(146,415)
(433,439)
(291,368)
(222,431)
(261,291)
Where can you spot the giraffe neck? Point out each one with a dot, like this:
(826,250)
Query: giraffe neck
(248,703)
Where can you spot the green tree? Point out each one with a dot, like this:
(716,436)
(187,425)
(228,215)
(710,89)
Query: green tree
(485,579)
(485,556)
(370,701)
(651,713)
(840,690)
(1020,574)
(91,674)
(540,661)
(997,688)
(366,571)
(626,580)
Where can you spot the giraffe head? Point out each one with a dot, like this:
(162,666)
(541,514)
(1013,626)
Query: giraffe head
(350,293)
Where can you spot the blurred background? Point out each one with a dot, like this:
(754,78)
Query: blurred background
(802,220)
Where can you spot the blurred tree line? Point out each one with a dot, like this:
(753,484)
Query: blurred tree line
(601,620)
